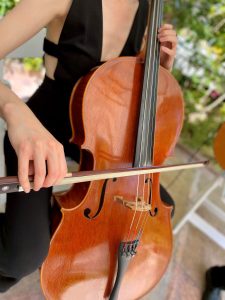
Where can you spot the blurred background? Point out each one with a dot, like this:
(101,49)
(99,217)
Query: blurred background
(198,223)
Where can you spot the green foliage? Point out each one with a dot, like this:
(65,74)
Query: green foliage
(6,5)
(30,63)
(33,63)
(201,25)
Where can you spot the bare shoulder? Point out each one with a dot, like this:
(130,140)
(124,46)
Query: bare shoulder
(26,19)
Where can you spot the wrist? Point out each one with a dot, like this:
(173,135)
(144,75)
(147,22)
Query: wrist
(13,112)
(8,111)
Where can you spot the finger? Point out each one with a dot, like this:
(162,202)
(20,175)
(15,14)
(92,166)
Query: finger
(53,169)
(170,39)
(62,166)
(23,167)
(39,169)
(167,32)
(168,51)
(165,26)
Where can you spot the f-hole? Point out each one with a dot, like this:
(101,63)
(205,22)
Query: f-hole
(155,211)
(87,211)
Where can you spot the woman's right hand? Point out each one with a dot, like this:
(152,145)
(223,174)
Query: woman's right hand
(35,148)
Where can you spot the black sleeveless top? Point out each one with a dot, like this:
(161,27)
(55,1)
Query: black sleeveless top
(80,42)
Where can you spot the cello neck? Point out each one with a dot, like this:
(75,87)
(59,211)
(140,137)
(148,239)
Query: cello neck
(146,126)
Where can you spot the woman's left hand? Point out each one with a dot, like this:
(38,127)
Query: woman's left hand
(168,44)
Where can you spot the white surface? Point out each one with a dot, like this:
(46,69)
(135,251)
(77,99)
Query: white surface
(208,230)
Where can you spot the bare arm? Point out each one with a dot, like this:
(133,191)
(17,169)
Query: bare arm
(19,25)
(33,144)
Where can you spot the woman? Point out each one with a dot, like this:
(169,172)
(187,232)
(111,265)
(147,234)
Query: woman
(81,34)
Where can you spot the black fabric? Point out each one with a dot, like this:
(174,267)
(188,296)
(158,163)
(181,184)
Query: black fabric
(217,275)
(167,199)
(24,231)
(24,228)
(51,48)
(50,104)
(80,42)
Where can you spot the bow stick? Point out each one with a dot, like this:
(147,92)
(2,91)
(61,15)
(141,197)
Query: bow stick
(11,183)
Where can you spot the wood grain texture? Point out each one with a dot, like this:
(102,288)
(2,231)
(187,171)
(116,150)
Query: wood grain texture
(219,146)
(82,260)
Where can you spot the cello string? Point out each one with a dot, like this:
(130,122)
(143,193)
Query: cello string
(147,105)
(144,222)
(134,215)
(142,216)
(145,131)
(146,128)
(143,146)
(153,83)
(143,201)
(140,231)
(148,197)
(132,234)
(142,204)
(134,231)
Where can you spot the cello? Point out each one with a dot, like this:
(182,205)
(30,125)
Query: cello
(114,239)
(219,146)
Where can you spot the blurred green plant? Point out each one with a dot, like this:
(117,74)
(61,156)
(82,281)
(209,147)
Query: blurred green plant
(33,63)
(6,5)
(30,63)
(201,74)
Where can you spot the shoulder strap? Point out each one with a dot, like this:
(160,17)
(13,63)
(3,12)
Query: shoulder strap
(51,48)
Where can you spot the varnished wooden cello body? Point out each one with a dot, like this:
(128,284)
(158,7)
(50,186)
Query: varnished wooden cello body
(219,146)
(115,240)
